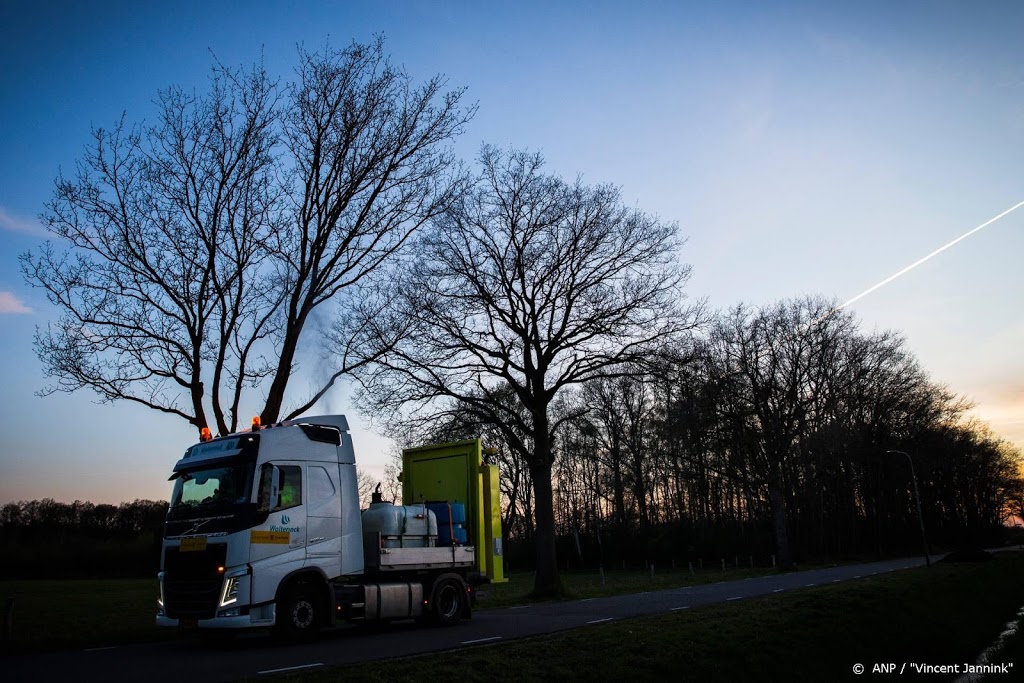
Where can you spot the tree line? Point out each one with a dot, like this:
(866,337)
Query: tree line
(784,432)
(325,222)
(49,539)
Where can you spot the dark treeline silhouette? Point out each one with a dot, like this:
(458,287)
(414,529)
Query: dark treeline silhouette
(49,539)
(772,435)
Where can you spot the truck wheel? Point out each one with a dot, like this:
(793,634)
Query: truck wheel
(447,602)
(299,613)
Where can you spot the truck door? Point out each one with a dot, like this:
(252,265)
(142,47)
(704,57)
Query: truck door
(278,546)
(323,510)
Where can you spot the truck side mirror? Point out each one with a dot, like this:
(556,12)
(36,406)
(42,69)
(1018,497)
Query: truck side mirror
(270,488)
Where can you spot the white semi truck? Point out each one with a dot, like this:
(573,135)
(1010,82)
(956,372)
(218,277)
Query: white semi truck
(264,530)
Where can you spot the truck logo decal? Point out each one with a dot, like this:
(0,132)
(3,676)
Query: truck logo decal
(272,537)
(285,519)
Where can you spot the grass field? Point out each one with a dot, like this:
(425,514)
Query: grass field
(50,615)
(944,615)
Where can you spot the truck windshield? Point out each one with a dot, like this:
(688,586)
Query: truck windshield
(212,490)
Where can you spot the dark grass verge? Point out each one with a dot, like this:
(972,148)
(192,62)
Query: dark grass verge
(944,615)
(64,614)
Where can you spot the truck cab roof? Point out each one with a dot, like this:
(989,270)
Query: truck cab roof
(324,429)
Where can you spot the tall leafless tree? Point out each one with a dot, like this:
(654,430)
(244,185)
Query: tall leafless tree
(201,246)
(529,284)
(370,167)
(161,296)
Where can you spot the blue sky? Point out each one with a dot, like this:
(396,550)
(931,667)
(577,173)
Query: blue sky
(804,148)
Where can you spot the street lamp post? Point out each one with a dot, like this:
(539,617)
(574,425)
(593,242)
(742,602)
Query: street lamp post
(917,501)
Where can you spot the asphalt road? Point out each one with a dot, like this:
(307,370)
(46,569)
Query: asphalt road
(202,660)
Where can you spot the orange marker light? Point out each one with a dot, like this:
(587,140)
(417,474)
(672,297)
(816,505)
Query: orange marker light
(256,423)
(220,569)
(204,434)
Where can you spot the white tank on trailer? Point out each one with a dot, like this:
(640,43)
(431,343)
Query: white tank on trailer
(400,526)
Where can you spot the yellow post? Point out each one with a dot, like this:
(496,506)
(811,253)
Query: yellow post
(492,524)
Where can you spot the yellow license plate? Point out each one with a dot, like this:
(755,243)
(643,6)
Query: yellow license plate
(193,544)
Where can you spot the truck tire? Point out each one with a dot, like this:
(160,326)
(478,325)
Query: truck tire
(447,602)
(300,613)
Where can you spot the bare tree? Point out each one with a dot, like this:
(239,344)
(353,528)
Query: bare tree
(161,296)
(774,352)
(369,168)
(202,245)
(366,483)
(529,284)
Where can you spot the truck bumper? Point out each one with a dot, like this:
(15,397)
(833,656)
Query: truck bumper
(259,617)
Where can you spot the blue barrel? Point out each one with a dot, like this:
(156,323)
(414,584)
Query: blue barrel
(442,510)
(458,513)
(444,535)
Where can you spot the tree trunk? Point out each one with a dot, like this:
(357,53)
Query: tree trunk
(547,582)
(777,497)
(275,396)
(617,484)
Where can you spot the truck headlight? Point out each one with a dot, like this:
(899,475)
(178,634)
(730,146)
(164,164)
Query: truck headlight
(160,596)
(230,593)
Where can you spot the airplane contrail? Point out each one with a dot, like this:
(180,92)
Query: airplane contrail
(918,262)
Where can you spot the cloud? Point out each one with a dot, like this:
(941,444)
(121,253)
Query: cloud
(10,304)
(26,226)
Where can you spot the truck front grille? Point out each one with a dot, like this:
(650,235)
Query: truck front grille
(192,582)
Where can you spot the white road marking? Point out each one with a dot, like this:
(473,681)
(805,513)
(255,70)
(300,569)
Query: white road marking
(481,640)
(599,621)
(96,649)
(291,668)
(738,597)
(835,580)
(778,590)
(676,609)
(857,577)
(519,607)
(808,585)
